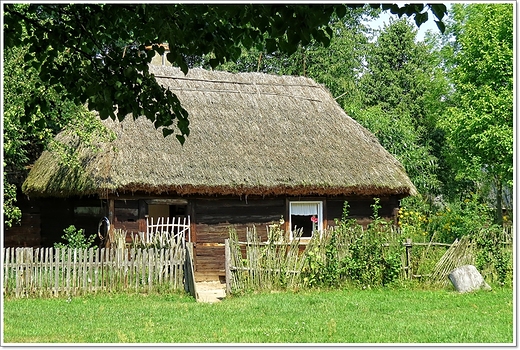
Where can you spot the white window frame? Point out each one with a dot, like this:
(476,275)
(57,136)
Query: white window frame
(319,214)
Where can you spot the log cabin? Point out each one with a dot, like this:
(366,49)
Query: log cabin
(261,148)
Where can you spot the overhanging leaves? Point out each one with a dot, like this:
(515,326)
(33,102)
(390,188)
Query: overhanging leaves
(107,47)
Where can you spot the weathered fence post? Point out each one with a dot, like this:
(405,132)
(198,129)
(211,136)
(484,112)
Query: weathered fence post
(408,247)
(189,274)
(228,266)
(19,271)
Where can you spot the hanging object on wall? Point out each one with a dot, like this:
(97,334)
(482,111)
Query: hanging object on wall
(103,228)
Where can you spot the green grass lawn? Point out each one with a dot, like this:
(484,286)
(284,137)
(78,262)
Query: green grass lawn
(339,316)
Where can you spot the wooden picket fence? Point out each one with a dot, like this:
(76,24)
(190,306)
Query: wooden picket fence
(52,271)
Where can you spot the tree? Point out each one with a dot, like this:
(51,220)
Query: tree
(106,47)
(337,66)
(479,123)
(23,142)
(402,89)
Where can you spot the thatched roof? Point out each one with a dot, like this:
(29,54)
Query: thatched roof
(251,134)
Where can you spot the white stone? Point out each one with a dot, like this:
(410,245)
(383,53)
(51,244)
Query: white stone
(467,279)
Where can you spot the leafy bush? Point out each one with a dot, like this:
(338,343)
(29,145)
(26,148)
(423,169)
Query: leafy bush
(414,222)
(12,214)
(374,256)
(322,266)
(491,257)
(446,222)
(75,238)
(368,257)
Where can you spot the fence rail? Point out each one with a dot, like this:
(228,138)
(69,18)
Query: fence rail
(52,271)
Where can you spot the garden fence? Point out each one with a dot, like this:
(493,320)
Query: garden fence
(253,265)
(67,271)
(266,264)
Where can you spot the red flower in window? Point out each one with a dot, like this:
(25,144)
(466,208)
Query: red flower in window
(314,219)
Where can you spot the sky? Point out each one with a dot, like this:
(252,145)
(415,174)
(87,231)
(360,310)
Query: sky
(384,18)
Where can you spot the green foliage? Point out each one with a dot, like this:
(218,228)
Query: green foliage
(323,257)
(368,262)
(445,221)
(459,219)
(82,49)
(368,257)
(492,255)
(12,214)
(413,221)
(402,90)
(322,266)
(75,238)
(397,135)
(25,137)
(478,126)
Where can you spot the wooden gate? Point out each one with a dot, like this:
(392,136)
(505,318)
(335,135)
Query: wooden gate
(175,229)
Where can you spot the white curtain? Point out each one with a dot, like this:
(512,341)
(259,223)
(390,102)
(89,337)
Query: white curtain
(304,208)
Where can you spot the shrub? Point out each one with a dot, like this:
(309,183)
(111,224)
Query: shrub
(374,256)
(75,238)
(368,257)
(321,266)
(444,222)
(492,258)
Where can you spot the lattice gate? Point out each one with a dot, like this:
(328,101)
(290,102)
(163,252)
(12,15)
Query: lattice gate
(174,229)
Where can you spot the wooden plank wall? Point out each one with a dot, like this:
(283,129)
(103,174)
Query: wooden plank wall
(360,208)
(215,216)
(128,216)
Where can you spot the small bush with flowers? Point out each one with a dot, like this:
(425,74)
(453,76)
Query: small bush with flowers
(444,222)
(414,224)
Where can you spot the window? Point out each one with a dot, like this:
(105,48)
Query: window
(307,216)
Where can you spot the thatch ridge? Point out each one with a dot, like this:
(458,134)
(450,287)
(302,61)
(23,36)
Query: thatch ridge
(251,134)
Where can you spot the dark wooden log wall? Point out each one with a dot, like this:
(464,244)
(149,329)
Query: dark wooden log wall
(45,219)
(27,232)
(58,213)
(85,213)
(129,215)
(360,208)
(213,218)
